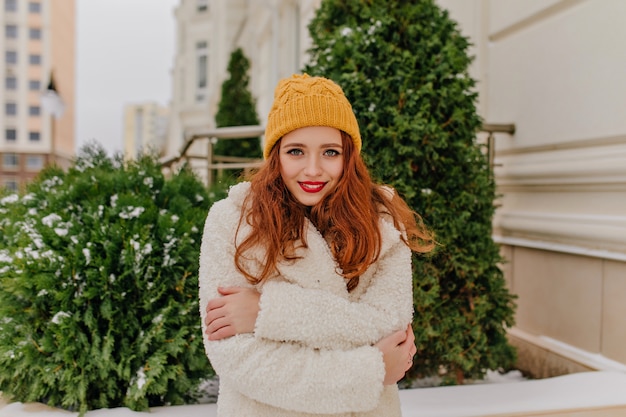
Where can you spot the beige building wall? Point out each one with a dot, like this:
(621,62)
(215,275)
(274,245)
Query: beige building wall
(145,129)
(276,43)
(555,68)
(62,64)
(42,46)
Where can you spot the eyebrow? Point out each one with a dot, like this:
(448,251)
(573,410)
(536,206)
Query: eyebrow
(302,145)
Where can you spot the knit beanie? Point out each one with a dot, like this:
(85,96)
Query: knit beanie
(302,101)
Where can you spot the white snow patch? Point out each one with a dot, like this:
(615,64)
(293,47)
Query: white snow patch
(4,256)
(87,255)
(50,219)
(59,316)
(131,212)
(141,378)
(13,198)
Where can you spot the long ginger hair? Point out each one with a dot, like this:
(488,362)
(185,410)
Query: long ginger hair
(347,218)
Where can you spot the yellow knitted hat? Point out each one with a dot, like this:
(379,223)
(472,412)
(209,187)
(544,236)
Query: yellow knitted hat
(301,101)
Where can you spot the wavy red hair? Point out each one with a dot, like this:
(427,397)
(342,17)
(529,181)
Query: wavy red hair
(347,217)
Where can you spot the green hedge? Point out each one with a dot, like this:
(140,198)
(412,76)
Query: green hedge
(98,286)
(404,67)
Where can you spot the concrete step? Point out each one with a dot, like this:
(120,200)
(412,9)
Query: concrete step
(587,394)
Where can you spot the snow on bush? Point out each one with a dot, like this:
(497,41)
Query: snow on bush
(98,286)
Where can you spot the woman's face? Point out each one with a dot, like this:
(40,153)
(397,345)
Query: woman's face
(311,162)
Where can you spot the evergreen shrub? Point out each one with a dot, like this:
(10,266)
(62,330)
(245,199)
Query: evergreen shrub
(237,107)
(98,286)
(404,67)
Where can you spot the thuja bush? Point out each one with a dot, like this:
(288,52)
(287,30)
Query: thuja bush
(237,107)
(404,66)
(98,286)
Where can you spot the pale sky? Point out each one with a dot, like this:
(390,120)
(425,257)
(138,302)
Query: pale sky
(125,51)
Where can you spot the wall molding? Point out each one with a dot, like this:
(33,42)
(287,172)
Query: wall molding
(534,19)
(591,360)
(603,232)
(571,144)
(560,247)
(588,164)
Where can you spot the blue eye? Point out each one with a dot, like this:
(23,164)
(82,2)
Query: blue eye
(331,152)
(295,151)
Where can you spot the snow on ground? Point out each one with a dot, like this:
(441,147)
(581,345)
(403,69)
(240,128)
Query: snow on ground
(498,394)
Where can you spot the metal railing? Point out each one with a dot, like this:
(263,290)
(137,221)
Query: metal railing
(216,162)
(491,129)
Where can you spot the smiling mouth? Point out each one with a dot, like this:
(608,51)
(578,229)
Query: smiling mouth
(312,187)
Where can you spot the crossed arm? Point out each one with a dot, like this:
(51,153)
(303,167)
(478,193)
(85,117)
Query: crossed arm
(319,318)
(236,312)
(285,310)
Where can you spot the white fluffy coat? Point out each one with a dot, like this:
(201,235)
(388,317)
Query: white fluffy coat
(312,350)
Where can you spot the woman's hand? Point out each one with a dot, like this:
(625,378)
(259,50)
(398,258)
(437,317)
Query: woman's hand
(398,350)
(233,313)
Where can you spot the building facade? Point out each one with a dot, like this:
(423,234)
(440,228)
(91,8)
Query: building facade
(38,69)
(145,129)
(553,68)
(273,36)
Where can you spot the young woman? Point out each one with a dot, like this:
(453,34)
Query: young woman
(305,271)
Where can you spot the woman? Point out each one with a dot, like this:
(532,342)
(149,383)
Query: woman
(307,268)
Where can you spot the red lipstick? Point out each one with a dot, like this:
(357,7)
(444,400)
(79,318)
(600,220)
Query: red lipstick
(311,186)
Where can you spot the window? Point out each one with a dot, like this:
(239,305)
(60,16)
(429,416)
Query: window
(10,135)
(10,31)
(10,184)
(202,62)
(10,5)
(10,161)
(34,59)
(34,162)
(34,7)
(202,70)
(34,85)
(202,5)
(10,109)
(34,136)
(34,110)
(10,57)
(34,33)
(10,83)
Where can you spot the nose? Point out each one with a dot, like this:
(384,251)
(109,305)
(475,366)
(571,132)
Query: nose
(313,166)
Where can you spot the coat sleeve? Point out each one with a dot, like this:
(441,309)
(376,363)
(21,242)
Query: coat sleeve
(386,306)
(287,375)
